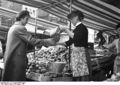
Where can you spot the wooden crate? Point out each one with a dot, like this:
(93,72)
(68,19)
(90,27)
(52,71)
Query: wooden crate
(38,77)
(62,79)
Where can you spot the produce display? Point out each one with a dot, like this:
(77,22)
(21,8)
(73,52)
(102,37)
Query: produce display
(103,52)
(41,61)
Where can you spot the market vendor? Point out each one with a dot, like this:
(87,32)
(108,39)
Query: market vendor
(116,44)
(80,60)
(15,59)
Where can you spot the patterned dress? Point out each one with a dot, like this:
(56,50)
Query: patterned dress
(117,65)
(117,59)
(79,62)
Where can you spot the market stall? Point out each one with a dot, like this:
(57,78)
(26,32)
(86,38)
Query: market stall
(50,64)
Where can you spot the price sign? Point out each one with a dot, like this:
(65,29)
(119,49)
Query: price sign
(33,11)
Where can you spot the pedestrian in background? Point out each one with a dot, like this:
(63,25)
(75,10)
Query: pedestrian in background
(116,44)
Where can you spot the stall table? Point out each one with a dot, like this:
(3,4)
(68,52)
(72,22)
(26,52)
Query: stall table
(102,67)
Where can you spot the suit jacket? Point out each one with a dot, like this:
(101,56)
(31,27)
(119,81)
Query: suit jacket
(15,55)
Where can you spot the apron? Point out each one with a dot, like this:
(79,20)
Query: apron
(80,63)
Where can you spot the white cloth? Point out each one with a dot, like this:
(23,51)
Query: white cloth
(1,50)
(77,24)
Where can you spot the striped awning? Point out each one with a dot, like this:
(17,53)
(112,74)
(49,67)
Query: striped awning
(98,14)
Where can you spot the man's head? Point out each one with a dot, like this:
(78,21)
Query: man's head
(75,16)
(23,16)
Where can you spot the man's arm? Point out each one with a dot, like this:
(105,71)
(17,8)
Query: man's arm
(27,37)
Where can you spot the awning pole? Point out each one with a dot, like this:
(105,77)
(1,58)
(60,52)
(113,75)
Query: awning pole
(35,35)
(70,29)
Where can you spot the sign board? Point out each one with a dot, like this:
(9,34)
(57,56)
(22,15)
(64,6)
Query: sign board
(91,35)
(33,11)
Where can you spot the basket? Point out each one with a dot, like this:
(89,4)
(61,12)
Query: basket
(57,67)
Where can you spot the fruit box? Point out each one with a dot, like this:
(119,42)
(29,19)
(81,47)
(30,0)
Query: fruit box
(38,77)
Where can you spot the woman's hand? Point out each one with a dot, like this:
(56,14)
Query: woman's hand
(66,29)
(63,28)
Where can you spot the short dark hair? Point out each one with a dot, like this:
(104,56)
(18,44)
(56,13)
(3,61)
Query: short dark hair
(22,14)
(76,13)
(117,26)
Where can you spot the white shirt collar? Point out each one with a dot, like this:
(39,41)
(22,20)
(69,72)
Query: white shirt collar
(77,24)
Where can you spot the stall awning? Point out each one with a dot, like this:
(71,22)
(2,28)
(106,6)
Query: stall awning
(98,13)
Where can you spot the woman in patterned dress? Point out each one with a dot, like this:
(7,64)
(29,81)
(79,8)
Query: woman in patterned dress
(80,61)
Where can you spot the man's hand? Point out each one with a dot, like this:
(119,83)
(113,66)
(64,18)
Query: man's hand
(56,37)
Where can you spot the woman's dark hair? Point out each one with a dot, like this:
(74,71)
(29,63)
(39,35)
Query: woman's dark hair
(101,37)
(117,26)
(22,15)
(76,13)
